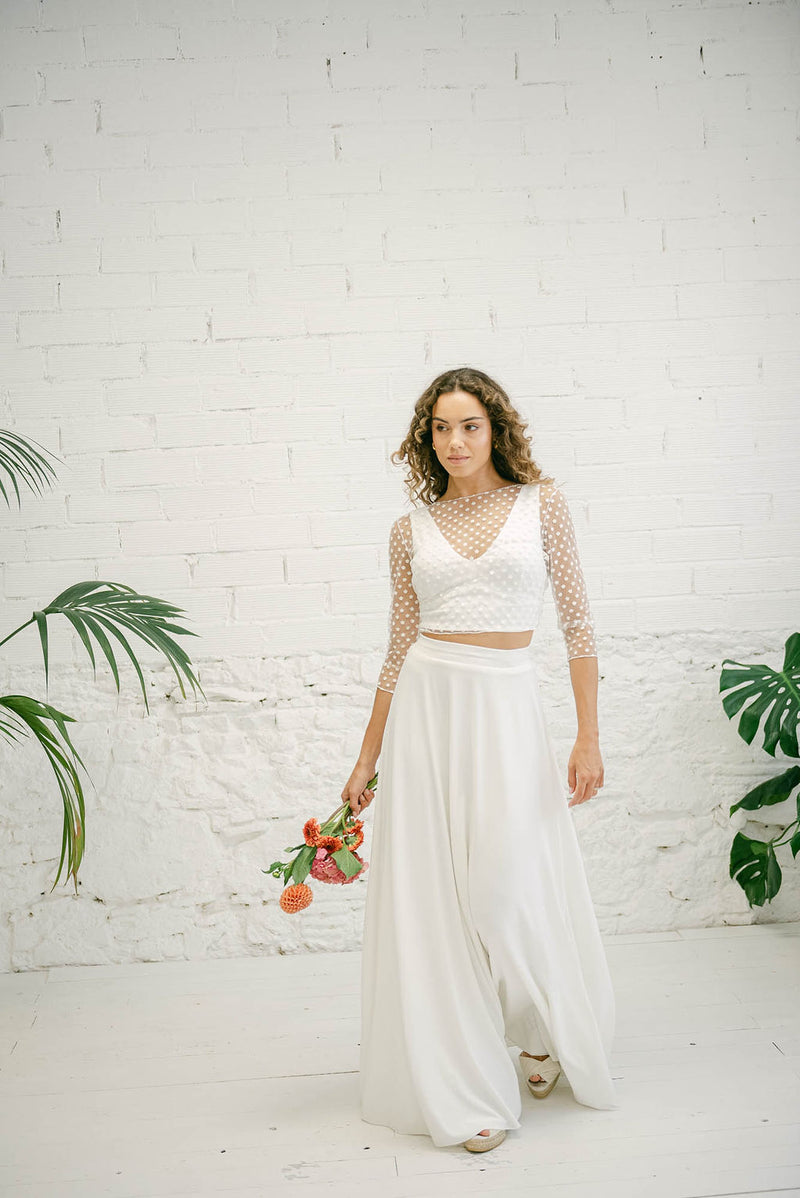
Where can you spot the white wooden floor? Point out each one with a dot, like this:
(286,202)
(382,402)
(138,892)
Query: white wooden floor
(238,1077)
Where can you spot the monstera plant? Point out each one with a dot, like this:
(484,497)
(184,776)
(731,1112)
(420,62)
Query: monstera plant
(101,612)
(775,696)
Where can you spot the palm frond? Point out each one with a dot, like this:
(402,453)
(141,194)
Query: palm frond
(21,462)
(49,726)
(96,609)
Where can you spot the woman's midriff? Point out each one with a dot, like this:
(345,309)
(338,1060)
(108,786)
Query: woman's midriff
(492,640)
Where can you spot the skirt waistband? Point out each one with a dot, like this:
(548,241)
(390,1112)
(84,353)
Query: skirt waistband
(461,651)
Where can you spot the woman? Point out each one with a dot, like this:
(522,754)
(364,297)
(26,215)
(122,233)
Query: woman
(479,929)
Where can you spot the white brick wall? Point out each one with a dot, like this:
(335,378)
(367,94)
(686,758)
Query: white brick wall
(237,241)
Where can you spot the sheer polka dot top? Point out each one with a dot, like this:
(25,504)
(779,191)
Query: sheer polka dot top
(480,563)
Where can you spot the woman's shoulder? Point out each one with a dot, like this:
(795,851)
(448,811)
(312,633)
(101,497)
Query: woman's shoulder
(400,532)
(549,489)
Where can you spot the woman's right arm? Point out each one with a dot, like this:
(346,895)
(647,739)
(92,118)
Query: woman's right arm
(354,788)
(403,631)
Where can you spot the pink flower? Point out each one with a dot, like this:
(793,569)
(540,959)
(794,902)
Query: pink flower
(325,869)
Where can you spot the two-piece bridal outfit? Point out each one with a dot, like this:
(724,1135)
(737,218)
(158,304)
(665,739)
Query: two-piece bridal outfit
(479,928)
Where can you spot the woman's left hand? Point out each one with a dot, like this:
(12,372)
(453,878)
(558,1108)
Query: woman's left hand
(585,770)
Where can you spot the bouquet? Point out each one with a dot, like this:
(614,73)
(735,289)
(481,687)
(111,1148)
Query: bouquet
(328,853)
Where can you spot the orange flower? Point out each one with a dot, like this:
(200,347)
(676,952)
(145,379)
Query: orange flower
(295,898)
(358,842)
(311,831)
(331,843)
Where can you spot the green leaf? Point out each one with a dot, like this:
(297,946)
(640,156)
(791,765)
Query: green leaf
(118,635)
(755,867)
(767,794)
(21,462)
(347,862)
(794,843)
(104,643)
(109,610)
(302,863)
(49,727)
(78,625)
(41,620)
(773,695)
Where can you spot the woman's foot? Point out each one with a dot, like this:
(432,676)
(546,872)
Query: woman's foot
(534,1077)
(485,1140)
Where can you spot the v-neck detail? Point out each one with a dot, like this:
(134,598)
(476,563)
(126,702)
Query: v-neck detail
(474,494)
(498,534)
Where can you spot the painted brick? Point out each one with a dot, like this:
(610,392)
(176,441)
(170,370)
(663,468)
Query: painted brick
(103,291)
(239,569)
(18,84)
(156,574)
(72,258)
(304,38)
(91,362)
(368,69)
(95,436)
(387,280)
(63,81)
(324,108)
(166,536)
(334,458)
(317,565)
(238,252)
(129,42)
(120,506)
(95,540)
(215,464)
(292,147)
(268,532)
(39,581)
(265,604)
(65,328)
(139,468)
(268,319)
(38,47)
(188,503)
(173,432)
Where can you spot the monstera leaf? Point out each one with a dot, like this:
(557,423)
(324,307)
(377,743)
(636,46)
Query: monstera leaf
(774,694)
(755,867)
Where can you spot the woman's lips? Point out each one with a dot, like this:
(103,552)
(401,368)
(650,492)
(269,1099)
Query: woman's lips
(464,459)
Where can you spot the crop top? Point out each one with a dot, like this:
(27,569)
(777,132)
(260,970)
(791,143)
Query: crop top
(481,563)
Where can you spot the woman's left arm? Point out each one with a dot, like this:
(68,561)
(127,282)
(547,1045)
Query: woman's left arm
(585,768)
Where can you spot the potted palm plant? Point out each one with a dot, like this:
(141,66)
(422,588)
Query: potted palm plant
(104,615)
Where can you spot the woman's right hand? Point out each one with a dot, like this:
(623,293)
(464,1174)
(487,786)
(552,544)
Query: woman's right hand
(354,789)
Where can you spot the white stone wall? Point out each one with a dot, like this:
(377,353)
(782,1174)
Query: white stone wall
(238,239)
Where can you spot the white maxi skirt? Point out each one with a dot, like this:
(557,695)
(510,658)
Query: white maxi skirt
(479,929)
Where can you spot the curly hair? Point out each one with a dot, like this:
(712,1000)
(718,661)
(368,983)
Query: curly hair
(427,479)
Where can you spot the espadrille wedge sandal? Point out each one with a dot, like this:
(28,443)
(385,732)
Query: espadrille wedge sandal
(484,1143)
(548,1069)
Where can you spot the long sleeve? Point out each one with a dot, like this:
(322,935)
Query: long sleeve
(404,608)
(566,576)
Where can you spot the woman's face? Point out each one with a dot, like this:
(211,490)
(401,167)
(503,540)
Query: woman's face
(462,433)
